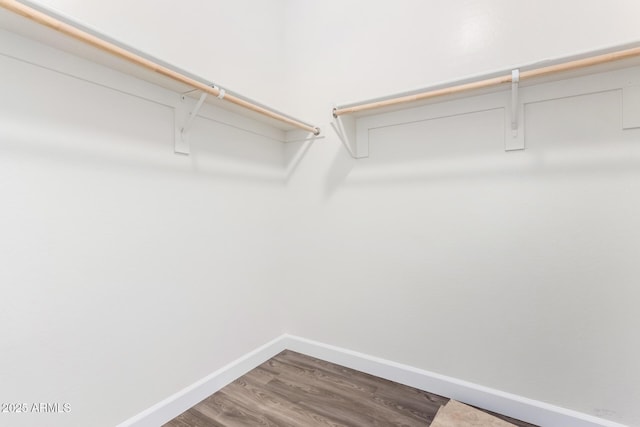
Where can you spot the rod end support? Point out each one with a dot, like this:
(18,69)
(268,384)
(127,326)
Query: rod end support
(316,132)
(333,112)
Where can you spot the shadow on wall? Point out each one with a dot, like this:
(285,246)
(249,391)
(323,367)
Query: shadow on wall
(98,150)
(63,118)
(340,169)
(295,151)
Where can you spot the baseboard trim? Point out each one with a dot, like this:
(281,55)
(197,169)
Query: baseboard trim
(174,405)
(529,410)
(522,408)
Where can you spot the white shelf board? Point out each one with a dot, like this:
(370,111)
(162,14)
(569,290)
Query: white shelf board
(24,27)
(611,66)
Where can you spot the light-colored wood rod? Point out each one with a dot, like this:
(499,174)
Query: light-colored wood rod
(581,63)
(423,95)
(495,81)
(69,30)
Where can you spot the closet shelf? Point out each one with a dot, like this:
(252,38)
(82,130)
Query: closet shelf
(541,72)
(615,68)
(51,28)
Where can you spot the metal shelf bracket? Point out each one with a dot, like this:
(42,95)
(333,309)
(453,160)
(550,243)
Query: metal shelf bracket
(515,81)
(183,119)
(514,135)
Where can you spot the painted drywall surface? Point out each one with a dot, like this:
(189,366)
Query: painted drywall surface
(128,272)
(516,271)
(346,51)
(366,267)
(236,44)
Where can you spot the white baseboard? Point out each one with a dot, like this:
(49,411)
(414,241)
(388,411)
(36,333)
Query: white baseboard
(174,405)
(522,408)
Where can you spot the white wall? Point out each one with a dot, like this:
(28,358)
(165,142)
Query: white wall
(237,44)
(516,271)
(128,272)
(344,51)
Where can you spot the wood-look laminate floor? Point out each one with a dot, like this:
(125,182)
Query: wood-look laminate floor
(292,389)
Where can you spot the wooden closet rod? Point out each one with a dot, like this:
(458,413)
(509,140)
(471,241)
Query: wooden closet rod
(51,22)
(495,81)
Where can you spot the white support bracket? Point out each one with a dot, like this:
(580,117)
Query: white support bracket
(515,82)
(514,131)
(355,138)
(631,107)
(183,119)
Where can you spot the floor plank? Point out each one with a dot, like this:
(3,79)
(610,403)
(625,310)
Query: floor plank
(295,390)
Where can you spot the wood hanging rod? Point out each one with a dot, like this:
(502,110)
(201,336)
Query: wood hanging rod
(494,81)
(69,30)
